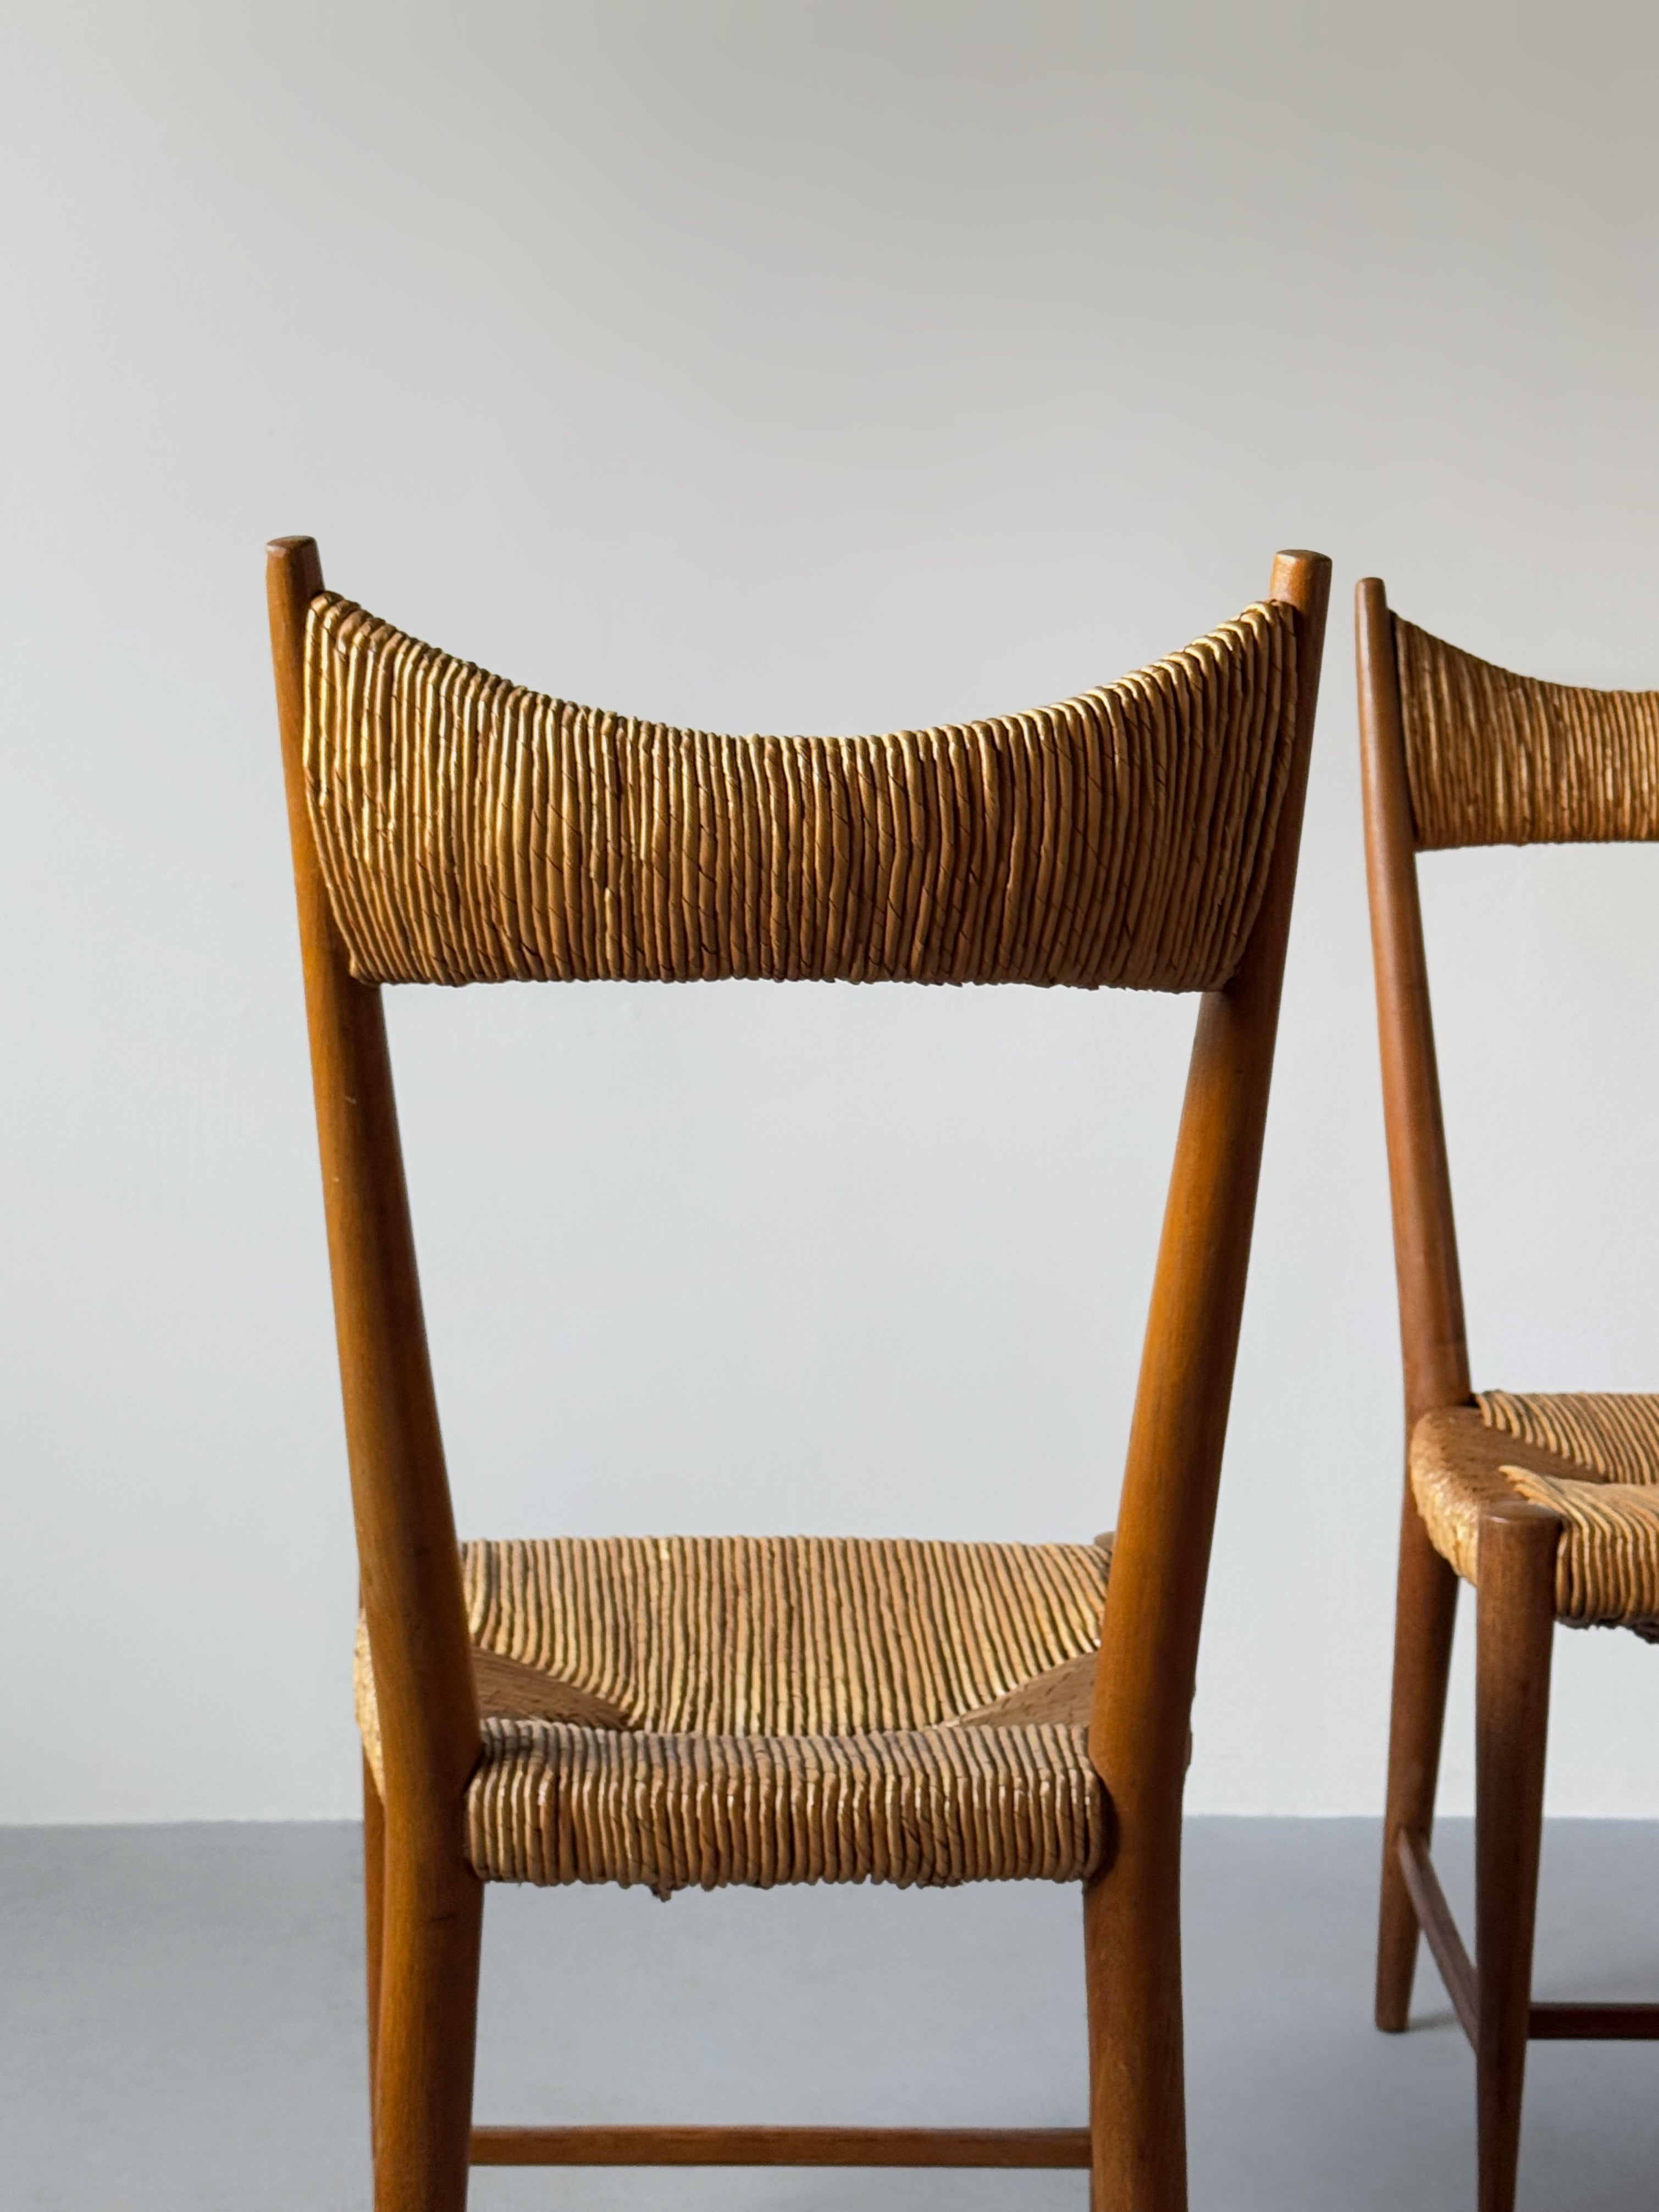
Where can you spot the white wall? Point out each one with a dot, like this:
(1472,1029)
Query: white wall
(808,367)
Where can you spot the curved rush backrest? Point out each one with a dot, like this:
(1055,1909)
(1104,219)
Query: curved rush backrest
(1493,759)
(472,831)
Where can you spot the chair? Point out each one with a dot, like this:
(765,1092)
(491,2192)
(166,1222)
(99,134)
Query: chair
(768,1709)
(1548,1505)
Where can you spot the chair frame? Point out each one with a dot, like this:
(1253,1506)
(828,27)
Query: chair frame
(1515,1597)
(423,1902)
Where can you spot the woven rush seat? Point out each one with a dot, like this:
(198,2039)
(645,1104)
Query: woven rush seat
(788,1709)
(1608,1565)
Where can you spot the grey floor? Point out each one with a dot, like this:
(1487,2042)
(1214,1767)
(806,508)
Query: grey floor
(181,2027)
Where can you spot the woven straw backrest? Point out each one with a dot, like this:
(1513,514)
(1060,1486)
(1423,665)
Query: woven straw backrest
(472,831)
(1497,759)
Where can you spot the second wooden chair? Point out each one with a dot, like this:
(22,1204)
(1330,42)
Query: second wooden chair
(1548,1504)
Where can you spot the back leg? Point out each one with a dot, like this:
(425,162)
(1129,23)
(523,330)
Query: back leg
(1425,1611)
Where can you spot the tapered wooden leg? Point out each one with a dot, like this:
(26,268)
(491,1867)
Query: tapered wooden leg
(373,1915)
(1514,1622)
(1131,1962)
(1426,1610)
(433,1923)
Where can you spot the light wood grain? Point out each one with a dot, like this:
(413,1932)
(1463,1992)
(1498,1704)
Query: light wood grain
(410,1571)
(1433,1341)
(1154,1601)
(1009,2148)
(1435,1916)
(1515,1631)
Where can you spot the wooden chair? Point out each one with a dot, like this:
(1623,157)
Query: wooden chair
(783,1708)
(1547,1505)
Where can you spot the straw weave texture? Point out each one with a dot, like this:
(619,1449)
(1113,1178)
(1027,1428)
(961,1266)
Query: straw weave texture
(917,1809)
(1607,1564)
(1617,1434)
(1498,759)
(794,1705)
(472,831)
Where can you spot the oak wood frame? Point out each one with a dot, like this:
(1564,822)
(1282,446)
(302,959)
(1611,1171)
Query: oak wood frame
(1008,2149)
(422,1900)
(1514,1602)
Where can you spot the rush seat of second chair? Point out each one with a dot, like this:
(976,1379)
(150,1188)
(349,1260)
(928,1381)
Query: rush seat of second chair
(1548,1504)
(700,1711)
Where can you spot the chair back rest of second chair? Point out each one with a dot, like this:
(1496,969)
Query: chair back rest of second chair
(1457,752)
(1493,759)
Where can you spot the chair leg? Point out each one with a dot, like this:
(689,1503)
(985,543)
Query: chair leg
(1515,1621)
(1137,2095)
(433,1924)
(1425,1611)
(373,1918)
